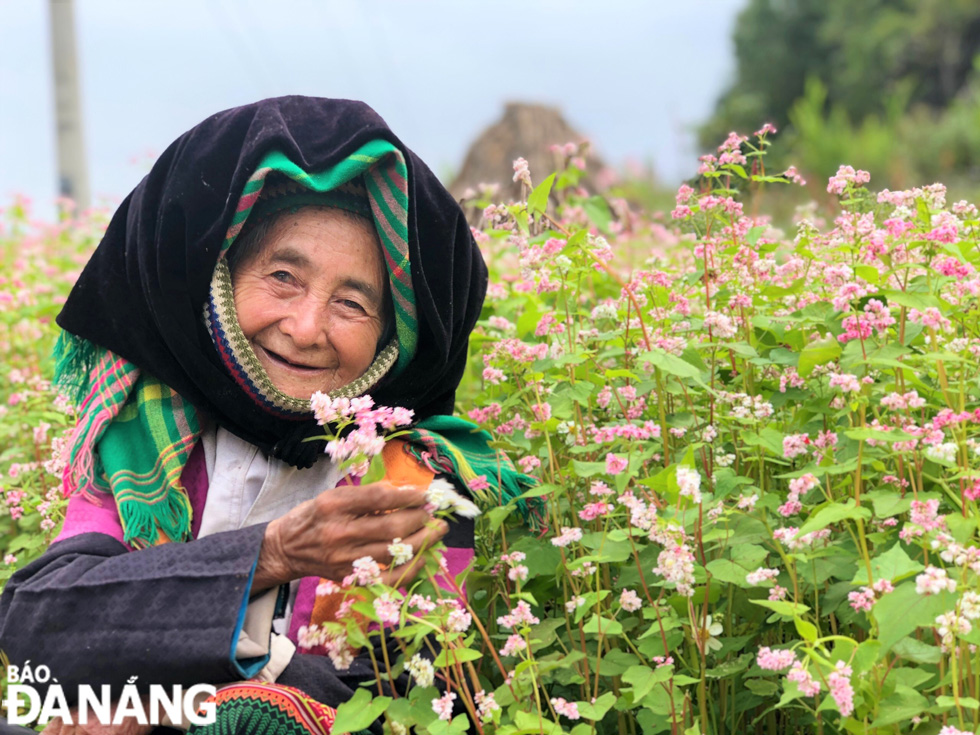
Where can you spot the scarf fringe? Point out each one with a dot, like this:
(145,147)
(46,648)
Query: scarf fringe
(75,359)
(143,523)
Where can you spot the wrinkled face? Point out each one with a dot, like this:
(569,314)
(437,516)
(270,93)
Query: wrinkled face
(311,300)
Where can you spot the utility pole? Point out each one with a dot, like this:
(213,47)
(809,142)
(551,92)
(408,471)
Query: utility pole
(72,173)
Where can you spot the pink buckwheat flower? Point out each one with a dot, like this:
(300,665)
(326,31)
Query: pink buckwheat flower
(807,685)
(366,572)
(676,564)
(515,644)
(568,709)
(689,482)
(387,609)
(594,510)
(520,615)
(795,445)
(615,465)
(443,706)
(761,576)
(486,705)
(775,660)
(933,581)
(630,601)
(521,172)
(567,536)
(839,683)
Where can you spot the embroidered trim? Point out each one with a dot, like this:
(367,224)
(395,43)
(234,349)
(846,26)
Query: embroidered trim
(238,356)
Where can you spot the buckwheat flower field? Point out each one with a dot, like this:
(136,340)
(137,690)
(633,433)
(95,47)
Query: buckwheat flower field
(757,455)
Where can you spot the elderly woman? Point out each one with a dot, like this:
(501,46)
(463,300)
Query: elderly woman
(277,249)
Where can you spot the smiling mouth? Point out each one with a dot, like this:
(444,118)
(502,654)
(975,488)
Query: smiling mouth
(276,357)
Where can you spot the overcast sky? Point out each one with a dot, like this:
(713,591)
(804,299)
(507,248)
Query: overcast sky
(633,75)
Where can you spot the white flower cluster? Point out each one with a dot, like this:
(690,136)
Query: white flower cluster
(945,452)
(689,482)
(443,496)
(421,670)
(401,553)
(933,581)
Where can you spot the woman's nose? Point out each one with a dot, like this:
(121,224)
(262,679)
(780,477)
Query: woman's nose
(306,325)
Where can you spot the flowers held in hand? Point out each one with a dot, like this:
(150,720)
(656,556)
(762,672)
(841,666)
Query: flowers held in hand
(401,553)
(442,496)
(387,608)
(366,572)
(367,440)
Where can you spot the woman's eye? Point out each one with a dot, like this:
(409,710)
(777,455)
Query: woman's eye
(351,304)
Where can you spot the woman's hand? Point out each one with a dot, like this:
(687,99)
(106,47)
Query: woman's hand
(323,536)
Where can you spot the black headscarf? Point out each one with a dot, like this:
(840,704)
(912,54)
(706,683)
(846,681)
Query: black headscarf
(141,295)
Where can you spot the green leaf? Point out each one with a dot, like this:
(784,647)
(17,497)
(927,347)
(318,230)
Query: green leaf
(782,356)
(597,710)
(768,438)
(643,679)
(754,233)
(900,612)
(903,704)
(868,273)
(537,202)
(761,687)
(863,432)
(912,300)
(449,655)
(730,668)
(914,650)
(807,630)
(816,353)
(833,513)
(358,712)
(737,170)
(609,627)
(539,491)
(726,570)
(893,565)
(948,702)
(671,364)
(888,503)
(528,722)
(788,610)
(588,469)
(376,470)
(598,211)
(496,516)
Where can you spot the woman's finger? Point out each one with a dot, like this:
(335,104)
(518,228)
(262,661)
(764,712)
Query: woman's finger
(397,524)
(378,497)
